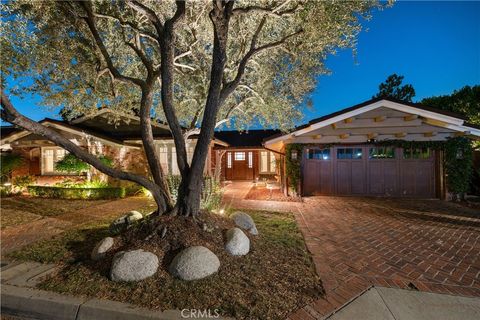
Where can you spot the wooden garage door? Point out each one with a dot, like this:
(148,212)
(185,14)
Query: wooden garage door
(369,170)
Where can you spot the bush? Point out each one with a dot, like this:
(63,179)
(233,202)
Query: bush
(76,193)
(71,164)
(21,182)
(8,163)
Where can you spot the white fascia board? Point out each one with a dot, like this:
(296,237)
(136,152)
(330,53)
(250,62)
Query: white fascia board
(382,103)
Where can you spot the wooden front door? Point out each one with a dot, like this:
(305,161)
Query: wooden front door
(240,165)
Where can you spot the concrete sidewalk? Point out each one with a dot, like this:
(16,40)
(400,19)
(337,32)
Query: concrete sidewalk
(381,303)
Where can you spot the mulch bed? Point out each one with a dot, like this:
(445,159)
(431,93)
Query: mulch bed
(276,278)
(262,193)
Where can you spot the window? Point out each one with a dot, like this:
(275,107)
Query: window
(349,153)
(381,153)
(250,159)
(239,156)
(174,169)
(319,154)
(267,162)
(229,160)
(163,154)
(50,156)
(416,153)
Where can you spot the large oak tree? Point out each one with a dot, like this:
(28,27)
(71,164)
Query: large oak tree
(195,65)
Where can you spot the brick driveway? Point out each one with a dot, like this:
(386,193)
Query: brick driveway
(425,245)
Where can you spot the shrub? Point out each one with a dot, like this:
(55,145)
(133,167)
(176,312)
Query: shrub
(21,182)
(8,163)
(71,164)
(76,193)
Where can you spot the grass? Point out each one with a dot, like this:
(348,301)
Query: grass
(23,209)
(274,279)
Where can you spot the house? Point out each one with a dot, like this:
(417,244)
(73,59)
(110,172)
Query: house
(119,140)
(340,154)
(341,157)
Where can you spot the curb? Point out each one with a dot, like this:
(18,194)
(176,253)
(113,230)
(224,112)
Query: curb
(44,305)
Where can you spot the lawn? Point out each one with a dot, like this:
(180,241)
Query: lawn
(22,209)
(274,279)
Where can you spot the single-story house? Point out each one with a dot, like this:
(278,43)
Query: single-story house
(340,156)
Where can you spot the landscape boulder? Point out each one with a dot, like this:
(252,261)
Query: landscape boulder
(123,222)
(237,243)
(133,265)
(244,221)
(133,216)
(102,248)
(194,263)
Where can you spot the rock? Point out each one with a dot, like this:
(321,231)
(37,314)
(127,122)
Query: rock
(194,263)
(244,221)
(133,265)
(101,248)
(133,216)
(123,222)
(238,243)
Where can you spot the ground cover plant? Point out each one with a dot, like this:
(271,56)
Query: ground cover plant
(274,279)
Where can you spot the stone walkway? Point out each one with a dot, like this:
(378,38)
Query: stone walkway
(357,243)
(14,238)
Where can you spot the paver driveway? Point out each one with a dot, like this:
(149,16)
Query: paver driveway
(425,245)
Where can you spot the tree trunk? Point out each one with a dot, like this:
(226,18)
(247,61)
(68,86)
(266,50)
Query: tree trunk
(189,196)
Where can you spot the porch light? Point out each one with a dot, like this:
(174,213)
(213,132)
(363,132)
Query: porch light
(294,155)
(222,211)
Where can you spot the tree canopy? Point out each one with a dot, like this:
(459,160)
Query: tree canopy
(194,65)
(392,87)
(465,101)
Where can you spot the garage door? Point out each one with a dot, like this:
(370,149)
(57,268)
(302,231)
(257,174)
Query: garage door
(369,170)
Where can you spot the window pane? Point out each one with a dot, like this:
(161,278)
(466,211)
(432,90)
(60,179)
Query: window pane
(340,153)
(263,161)
(163,154)
(407,153)
(349,153)
(239,156)
(48,160)
(381,153)
(250,159)
(175,170)
(357,153)
(326,154)
(229,160)
(273,163)
(425,153)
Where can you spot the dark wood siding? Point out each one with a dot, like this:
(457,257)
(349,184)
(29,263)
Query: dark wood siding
(377,177)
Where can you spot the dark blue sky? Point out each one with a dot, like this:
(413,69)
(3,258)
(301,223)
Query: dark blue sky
(435,45)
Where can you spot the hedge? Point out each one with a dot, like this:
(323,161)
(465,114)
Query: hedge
(76,193)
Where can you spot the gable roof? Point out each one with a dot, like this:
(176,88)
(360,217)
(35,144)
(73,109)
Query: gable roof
(451,120)
(245,139)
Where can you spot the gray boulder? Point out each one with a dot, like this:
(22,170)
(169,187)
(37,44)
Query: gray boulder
(133,216)
(244,221)
(194,263)
(101,248)
(123,222)
(237,243)
(133,265)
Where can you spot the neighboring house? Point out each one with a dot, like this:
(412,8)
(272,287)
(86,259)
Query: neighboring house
(119,140)
(339,157)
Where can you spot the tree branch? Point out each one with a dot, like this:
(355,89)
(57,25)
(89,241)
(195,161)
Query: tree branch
(90,20)
(268,10)
(149,13)
(230,86)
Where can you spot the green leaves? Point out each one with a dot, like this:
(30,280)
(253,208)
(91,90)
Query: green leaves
(71,164)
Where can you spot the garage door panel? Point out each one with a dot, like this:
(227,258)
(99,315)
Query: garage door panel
(344,177)
(375,177)
(325,177)
(390,177)
(358,181)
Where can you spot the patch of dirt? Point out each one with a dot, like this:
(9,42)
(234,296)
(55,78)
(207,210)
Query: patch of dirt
(276,278)
(262,193)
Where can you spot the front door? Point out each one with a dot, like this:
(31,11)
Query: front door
(240,165)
